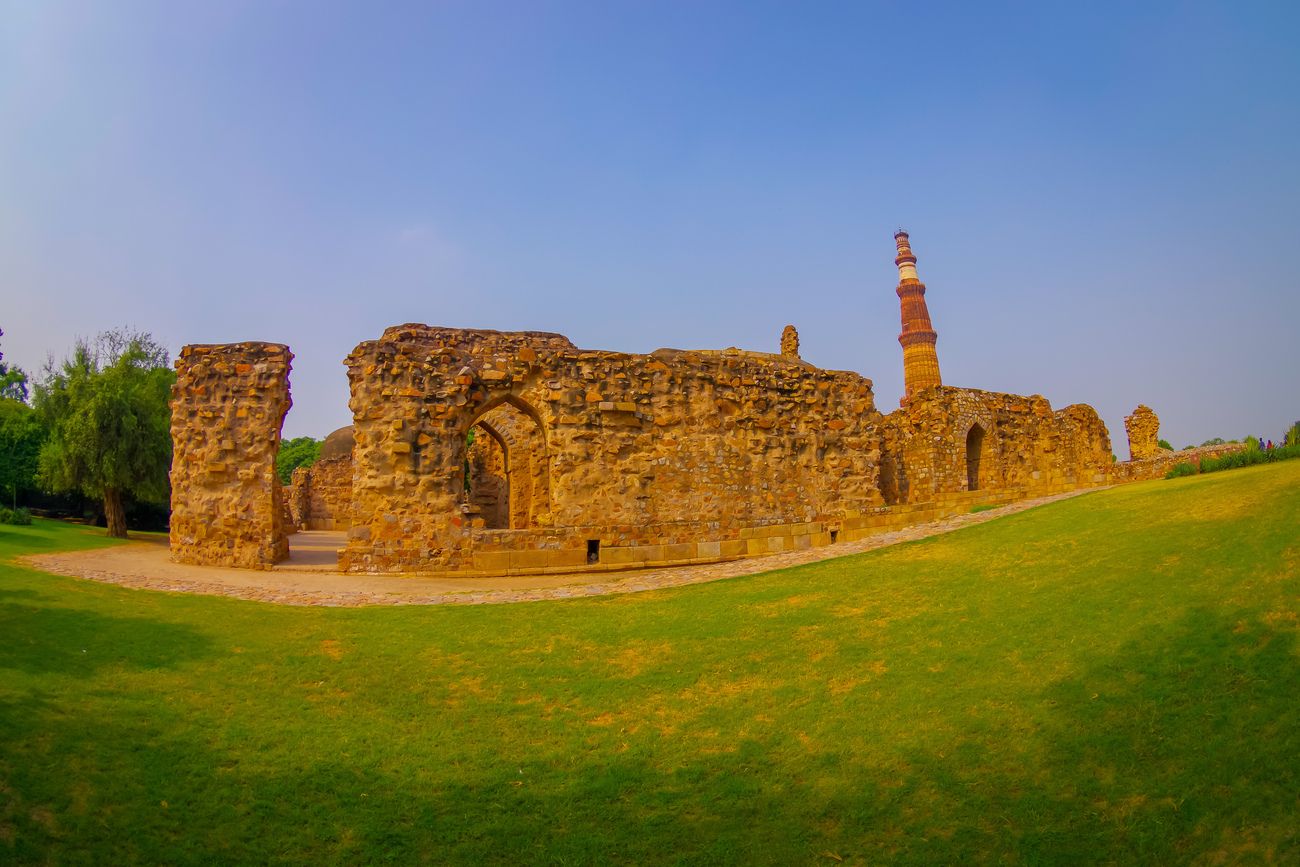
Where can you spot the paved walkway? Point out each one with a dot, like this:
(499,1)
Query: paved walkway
(145,565)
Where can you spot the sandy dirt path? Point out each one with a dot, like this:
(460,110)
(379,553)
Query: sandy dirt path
(145,565)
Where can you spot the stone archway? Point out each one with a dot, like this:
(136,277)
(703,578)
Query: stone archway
(974,455)
(507,471)
(487,483)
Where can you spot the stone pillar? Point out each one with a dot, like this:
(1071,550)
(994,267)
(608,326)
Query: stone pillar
(227,407)
(1143,428)
(299,497)
(790,342)
(920,360)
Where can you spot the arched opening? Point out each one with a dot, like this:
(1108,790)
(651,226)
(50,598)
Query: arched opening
(507,475)
(974,449)
(487,481)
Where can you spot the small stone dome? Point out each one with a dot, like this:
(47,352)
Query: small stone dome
(338,444)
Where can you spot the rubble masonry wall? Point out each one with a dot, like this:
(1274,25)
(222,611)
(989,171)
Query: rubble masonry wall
(228,404)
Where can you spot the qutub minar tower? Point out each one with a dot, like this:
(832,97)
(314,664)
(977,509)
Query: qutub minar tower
(920,361)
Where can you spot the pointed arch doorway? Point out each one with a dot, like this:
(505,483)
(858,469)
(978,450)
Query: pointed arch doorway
(507,473)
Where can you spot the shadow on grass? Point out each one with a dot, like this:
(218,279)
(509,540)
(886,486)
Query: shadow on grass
(69,641)
(1181,747)
(6,594)
(46,536)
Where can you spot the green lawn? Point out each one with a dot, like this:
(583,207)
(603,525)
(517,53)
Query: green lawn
(1112,678)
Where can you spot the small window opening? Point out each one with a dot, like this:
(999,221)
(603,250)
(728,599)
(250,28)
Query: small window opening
(593,550)
(835,536)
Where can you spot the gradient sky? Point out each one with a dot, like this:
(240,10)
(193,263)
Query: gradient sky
(1104,198)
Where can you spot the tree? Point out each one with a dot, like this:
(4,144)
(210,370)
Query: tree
(13,381)
(21,436)
(294,453)
(109,419)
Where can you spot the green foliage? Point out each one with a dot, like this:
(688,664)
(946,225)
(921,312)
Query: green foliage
(21,437)
(1164,444)
(982,507)
(107,411)
(1252,444)
(13,381)
(1217,441)
(950,701)
(1250,457)
(1247,457)
(294,453)
(1292,436)
(15,517)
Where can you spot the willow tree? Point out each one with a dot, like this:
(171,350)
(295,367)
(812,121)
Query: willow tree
(106,408)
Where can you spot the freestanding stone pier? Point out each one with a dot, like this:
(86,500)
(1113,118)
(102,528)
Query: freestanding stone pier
(228,404)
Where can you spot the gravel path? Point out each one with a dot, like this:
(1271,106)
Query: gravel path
(145,565)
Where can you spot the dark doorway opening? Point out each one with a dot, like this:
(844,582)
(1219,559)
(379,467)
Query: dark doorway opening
(974,450)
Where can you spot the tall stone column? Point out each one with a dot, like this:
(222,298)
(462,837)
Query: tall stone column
(228,404)
(790,342)
(1143,428)
(920,361)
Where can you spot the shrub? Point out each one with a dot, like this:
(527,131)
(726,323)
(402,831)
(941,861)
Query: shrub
(1292,437)
(1217,441)
(1165,444)
(1249,457)
(1184,469)
(17,517)
(983,507)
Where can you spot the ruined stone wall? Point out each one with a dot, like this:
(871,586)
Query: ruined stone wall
(321,495)
(1143,428)
(1164,460)
(227,407)
(708,442)
(1015,443)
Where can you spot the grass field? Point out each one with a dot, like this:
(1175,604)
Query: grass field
(1112,678)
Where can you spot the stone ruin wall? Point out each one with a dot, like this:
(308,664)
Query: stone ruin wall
(1143,429)
(673,447)
(1164,460)
(228,404)
(675,456)
(320,496)
(1025,446)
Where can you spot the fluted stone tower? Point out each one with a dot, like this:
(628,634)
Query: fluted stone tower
(920,361)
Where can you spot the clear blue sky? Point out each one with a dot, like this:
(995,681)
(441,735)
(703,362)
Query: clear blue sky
(1104,198)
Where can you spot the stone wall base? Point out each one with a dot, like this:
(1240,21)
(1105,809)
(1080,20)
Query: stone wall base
(555,552)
